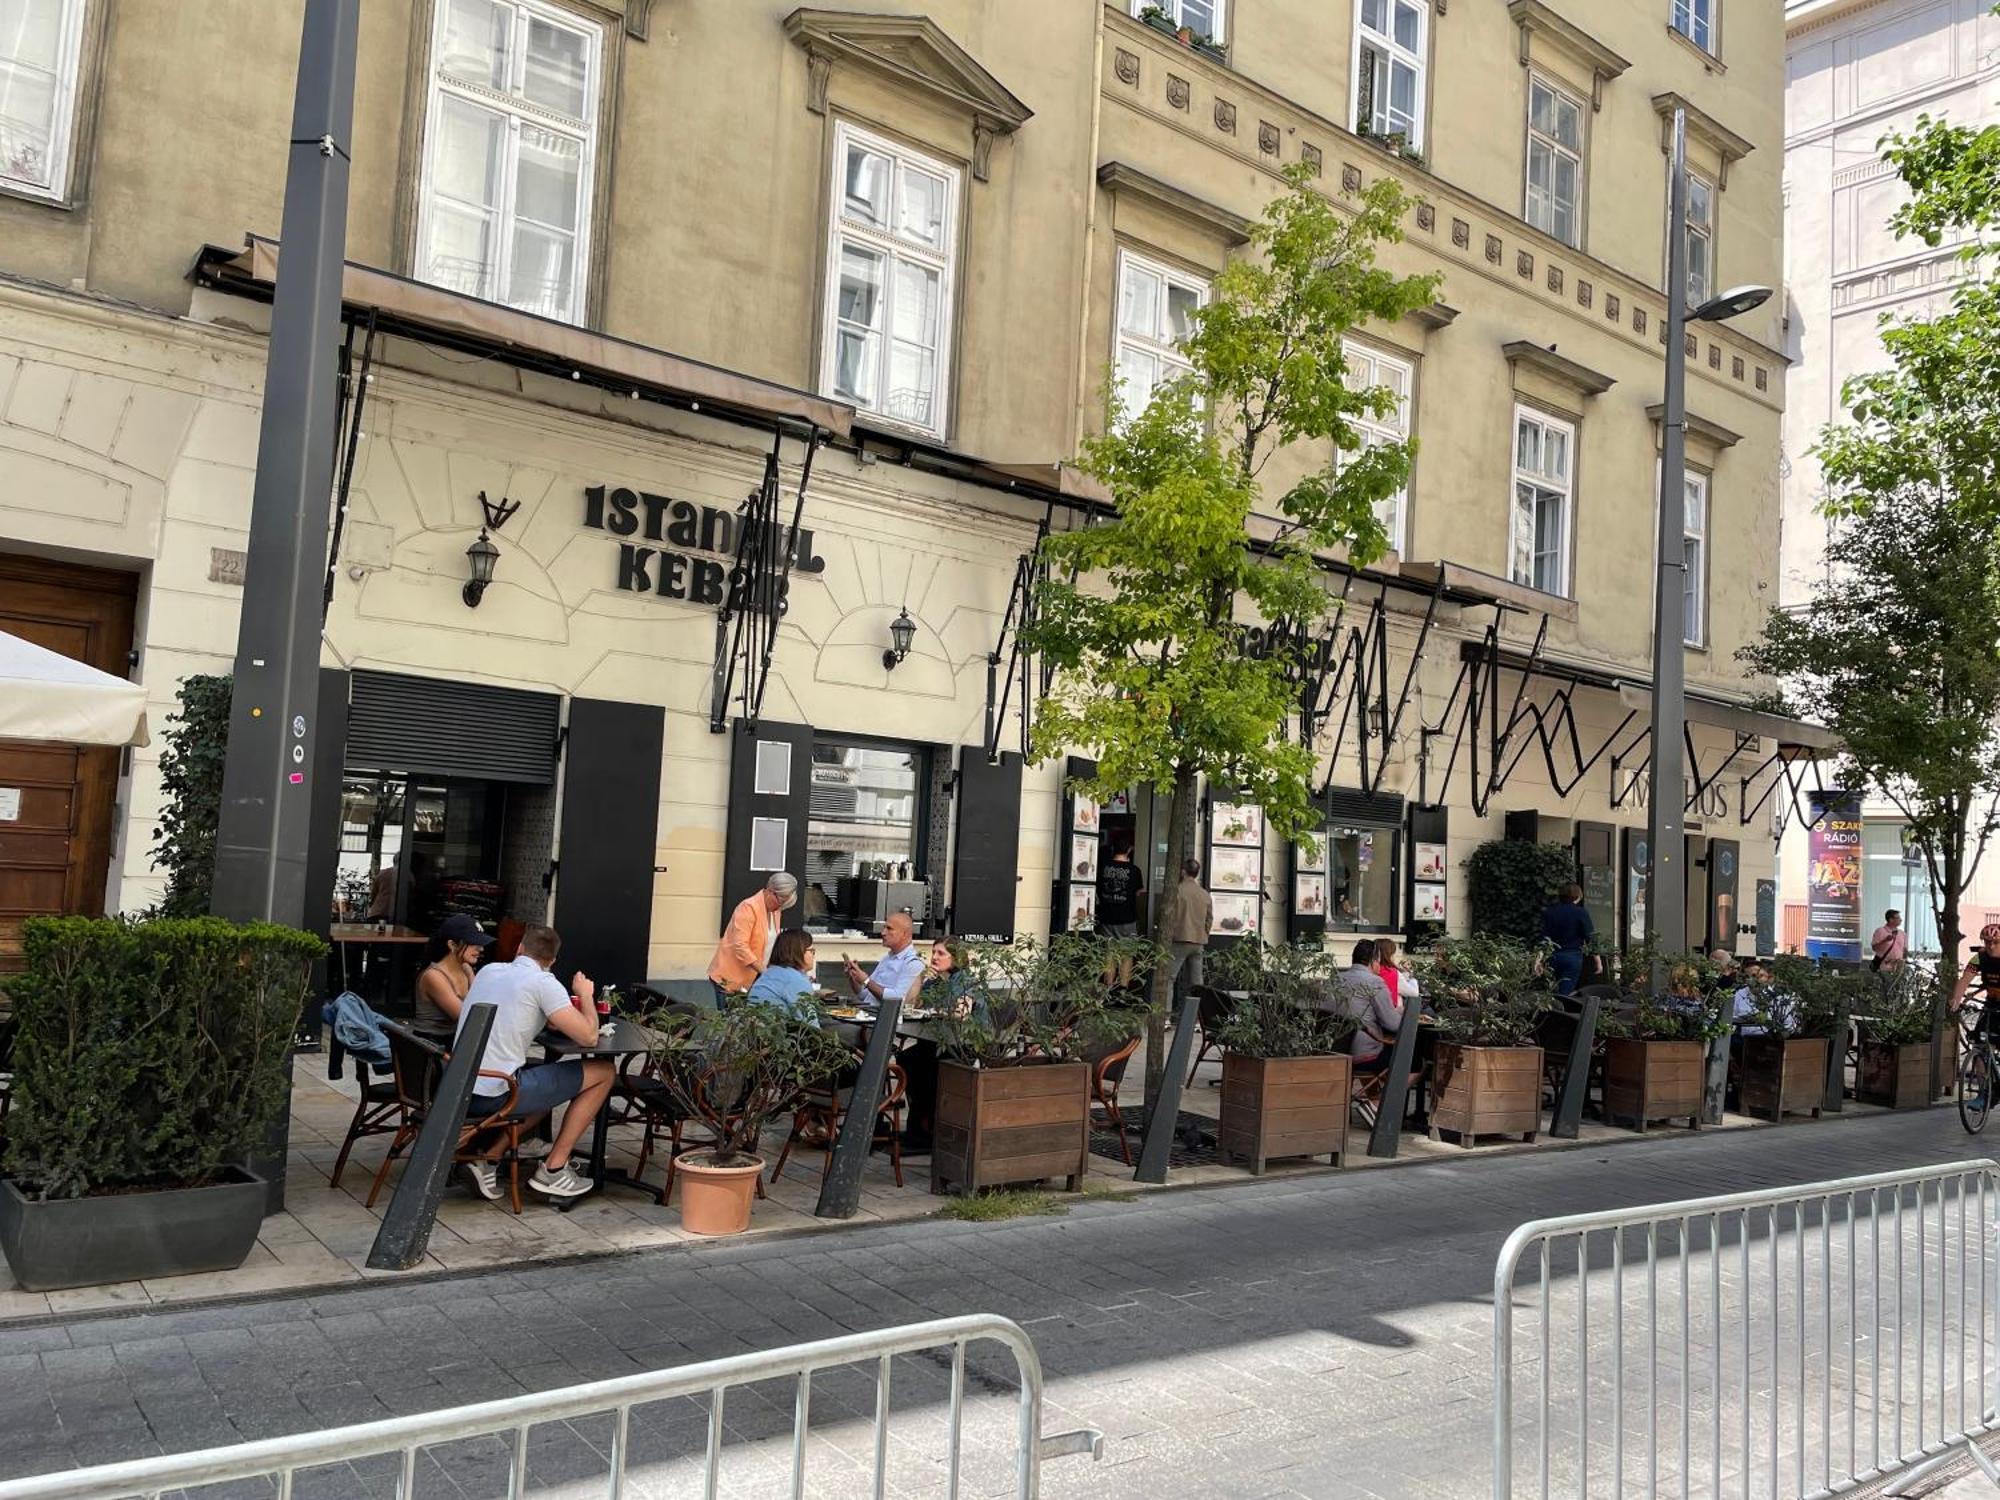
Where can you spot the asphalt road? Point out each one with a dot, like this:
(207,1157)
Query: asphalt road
(1320,1336)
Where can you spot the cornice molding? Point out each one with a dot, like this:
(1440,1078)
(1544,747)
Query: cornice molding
(1535,15)
(1558,367)
(1701,427)
(1118,177)
(1726,143)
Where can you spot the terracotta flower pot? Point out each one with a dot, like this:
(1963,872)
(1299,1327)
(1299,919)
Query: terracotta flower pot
(715,1200)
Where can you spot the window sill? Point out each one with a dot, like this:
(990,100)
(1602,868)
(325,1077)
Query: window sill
(1388,146)
(1215,52)
(1708,59)
(18,194)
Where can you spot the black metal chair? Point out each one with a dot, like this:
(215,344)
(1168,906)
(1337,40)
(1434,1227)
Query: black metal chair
(1213,1009)
(418,1065)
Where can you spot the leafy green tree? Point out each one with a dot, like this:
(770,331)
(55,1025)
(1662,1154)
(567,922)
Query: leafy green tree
(1143,615)
(191,794)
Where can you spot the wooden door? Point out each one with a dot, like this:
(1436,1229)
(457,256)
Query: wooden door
(55,850)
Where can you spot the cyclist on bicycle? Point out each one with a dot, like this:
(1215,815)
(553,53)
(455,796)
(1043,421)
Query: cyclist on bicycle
(1985,966)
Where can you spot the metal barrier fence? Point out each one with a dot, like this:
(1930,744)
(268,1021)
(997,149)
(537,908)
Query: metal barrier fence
(282,1460)
(1798,1343)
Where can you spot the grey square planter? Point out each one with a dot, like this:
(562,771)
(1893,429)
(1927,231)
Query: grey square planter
(130,1236)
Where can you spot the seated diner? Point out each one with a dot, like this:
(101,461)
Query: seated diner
(442,986)
(787,981)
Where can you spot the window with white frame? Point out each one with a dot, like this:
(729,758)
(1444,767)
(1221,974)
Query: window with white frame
(1555,162)
(1202,17)
(1367,368)
(1694,560)
(504,205)
(41,51)
(1700,239)
(1695,20)
(1156,306)
(1544,458)
(889,279)
(1390,50)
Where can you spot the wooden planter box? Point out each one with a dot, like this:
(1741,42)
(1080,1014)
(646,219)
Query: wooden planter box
(1783,1076)
(1653,1080)
(1284,1106)
(1898,1076)
(1487,1091)
(1948,1073)
(1006,1125)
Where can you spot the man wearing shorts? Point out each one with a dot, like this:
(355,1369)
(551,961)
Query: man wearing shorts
(526,998)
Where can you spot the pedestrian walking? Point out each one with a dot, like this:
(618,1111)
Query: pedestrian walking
(1189,923)
(1890,944)
(1566,923)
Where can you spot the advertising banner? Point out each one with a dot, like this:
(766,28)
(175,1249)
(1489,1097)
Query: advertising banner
(1833,878)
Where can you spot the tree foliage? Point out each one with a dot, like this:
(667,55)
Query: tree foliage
(191,794)
(1140,614)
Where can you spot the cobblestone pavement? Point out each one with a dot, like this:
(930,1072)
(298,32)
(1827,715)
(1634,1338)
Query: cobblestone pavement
(1323,1337)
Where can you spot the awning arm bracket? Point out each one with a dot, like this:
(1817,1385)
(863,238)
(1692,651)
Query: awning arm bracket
(353,398)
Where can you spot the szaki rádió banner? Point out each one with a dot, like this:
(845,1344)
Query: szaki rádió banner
(1833,878)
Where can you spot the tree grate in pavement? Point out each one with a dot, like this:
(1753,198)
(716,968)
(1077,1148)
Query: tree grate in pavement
(1194,1139)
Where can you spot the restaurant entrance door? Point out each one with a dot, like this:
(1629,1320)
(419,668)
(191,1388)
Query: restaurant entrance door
(57,802)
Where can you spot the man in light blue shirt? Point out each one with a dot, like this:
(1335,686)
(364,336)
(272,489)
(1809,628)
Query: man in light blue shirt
(896,969)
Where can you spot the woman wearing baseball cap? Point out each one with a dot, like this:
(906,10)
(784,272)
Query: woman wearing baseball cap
(442,985)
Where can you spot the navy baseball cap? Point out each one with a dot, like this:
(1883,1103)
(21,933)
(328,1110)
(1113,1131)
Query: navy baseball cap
(459,928)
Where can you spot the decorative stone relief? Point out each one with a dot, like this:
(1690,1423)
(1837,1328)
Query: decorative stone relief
(1426,218)
(1524,264)
(1584,293)
(1556,280)
(819,74)
(1638,320)
(1177,91)
(1267,138)
(1126,66)
(1493,249)
(1736,366)
(1311,156)
(1715,356)
(1225,117)
(1350,178)
(1461,234)
(1763,378)
(1611,306)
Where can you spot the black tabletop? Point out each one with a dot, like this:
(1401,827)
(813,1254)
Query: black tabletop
(614,1039)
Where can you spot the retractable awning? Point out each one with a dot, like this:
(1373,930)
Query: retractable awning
(436,315)
(46,696)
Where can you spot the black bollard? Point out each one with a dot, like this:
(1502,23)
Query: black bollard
(406,1229)
(1166,1110)
(840,1193)
(1567,1120)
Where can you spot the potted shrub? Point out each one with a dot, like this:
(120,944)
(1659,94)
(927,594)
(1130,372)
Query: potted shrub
(1286,1075)
(1490,998)
(735,1070)
(1160,21)
(150,1060)
(1782,1060)
(1893,1067)
(1013,1100)
(1655,1061)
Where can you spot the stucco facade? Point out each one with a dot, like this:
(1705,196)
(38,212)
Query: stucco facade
(1073,136)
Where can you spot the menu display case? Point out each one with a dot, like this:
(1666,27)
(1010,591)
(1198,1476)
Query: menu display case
(1082,855)
(1235,870)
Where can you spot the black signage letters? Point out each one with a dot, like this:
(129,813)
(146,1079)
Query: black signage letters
(696,529)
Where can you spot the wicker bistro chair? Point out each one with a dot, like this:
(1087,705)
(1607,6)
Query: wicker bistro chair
(826,1107)
(417,1066)
(1107,1071)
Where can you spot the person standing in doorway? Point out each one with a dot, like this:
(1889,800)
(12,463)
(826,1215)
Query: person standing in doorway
(1188,926)
(1890,943)
(1566,923)
(1120,884)
(745,949)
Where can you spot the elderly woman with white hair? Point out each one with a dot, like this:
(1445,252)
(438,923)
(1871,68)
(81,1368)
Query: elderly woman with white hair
(745,949)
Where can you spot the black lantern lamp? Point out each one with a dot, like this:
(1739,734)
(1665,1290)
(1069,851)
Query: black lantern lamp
(481,556)
(902,632)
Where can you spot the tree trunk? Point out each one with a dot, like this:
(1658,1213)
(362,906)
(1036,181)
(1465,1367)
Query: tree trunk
(1944,902)
(1180,840)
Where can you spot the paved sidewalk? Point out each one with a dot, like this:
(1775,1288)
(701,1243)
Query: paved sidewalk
(1319,1336)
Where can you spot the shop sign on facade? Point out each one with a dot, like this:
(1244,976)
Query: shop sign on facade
(697,545)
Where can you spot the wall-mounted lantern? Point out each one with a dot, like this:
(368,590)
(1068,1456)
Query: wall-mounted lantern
(902,633)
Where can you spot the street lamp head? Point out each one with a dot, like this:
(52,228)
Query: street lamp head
(1732,303)
(481,555)
(902,635)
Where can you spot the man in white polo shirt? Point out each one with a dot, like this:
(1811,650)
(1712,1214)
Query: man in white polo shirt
(527,998)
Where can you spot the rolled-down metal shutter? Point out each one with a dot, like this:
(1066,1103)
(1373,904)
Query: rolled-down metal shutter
(437,726)
(1345,805)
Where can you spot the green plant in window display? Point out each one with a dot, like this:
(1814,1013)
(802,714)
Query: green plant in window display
(1141,616)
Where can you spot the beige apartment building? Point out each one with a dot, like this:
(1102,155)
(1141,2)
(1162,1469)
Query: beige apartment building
(1857,70)
(759,341)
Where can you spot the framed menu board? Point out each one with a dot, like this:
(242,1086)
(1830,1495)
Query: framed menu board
(1077,854)
(1236,868)
(1309,891)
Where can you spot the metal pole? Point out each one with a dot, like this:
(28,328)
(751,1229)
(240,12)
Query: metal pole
(260,846)
(1666,897)
(406,1228)
(840,1192)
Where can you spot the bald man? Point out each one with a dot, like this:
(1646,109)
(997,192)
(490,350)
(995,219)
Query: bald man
(896,969)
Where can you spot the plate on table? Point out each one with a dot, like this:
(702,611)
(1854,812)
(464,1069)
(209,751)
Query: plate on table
(920,1015)
(843,1012)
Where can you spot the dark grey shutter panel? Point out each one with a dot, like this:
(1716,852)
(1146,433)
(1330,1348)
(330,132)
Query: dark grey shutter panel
(610,826)
(437,726)
(1345,805)
(747,806)
(1428,825)
(1597,867)
(986,863)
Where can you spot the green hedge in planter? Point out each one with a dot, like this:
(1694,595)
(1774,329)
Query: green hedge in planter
(149,1054)
(1509,881)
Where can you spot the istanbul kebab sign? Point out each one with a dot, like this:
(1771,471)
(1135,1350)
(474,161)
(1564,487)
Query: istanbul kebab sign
(680,550)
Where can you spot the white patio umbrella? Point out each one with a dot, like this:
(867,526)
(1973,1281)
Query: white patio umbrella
(45,696)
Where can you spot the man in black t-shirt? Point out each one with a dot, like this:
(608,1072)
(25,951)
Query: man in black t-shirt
(1119,886)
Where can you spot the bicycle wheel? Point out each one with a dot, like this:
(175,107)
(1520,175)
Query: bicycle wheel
(1975,1078)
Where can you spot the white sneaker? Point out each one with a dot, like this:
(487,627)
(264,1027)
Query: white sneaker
(485,1179)
(564,1182)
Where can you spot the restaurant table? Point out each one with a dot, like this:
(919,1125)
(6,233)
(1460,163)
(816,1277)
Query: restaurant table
(344,934)
(919,1068)
(615,1040)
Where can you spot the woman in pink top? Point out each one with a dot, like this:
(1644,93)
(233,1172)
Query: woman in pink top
(1385,966)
